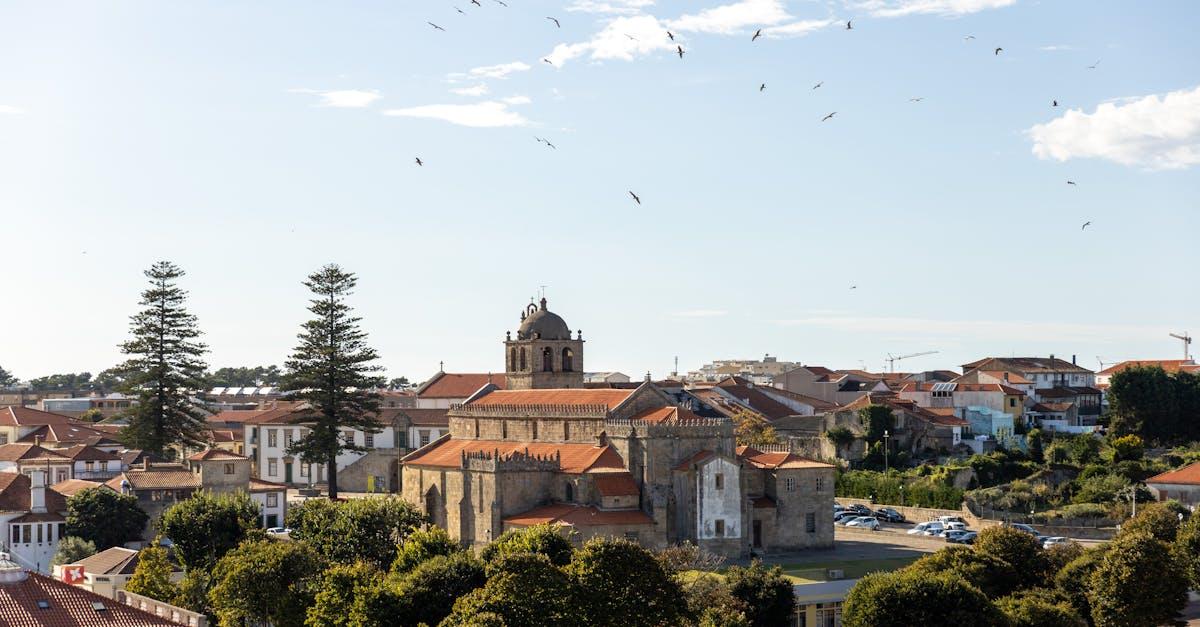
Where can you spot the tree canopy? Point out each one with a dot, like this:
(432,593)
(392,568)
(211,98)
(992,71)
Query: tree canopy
(619,583)
(1137,583)
(765,593)
(1160,407)
(104,517)
(1020,550)
(356,529)
(904,598)
(234,376)
(152,575)
(72,549)
(422,544)
(992,575)
(876,419)
(207,525)
(7,379)
(543,539)
(752,429)
(526,589)
(266,580)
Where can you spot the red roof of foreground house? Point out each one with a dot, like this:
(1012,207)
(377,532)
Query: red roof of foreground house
(15,415)
(615,484)
(81,452)
(1170,365)
(578,516)
(21,605)
(14,495)
(574,458)
(71,432)
(963,387)
(447,385)
(71,487)
(1188,475)
(776,460)
(572,396)
(213,454)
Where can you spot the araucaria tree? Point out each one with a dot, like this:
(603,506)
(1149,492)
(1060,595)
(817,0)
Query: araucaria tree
(332,370)
(165,367)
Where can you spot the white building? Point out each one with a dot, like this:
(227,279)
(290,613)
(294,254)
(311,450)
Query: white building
(32,519)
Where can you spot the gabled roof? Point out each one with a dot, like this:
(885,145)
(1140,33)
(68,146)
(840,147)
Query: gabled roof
(83,452)
(28,452)
(695,458)
(117,560)
(1025,364)
(1169,365)
(777,460)
(71,487)
(574,458)
(70,432)
(752,396)
(962,387)
(568,396)
(214,454)
(159,477)
(1052,408)
(666,414)
(14,494)
(1063,391)
(18,416)
(1014,378)
(1188,475)
(427,417)
(579,516)
(259,485)
(458,385)
(615,484)
(67,606)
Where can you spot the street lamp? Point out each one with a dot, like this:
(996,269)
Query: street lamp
(886,435)
(902,494)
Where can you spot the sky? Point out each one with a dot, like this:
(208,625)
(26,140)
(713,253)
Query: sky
(251,143)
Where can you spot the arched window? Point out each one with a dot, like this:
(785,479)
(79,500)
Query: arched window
(568,360)
(547,359)
(570,493)
(512,360)
(534,429)
(503,429)
(566,430)
(522,359)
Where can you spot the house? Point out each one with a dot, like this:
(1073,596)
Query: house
(32,519)
(16,422)
(445,389)
(424,426)
(610,461)
(761,371)
(30,599)
(108,406)
(917,428)
(393,399)
(605,377)
(92,463)
(108,571)
(1171,366)
(960,395)
(1053,380)
(25,458)
(828,385)
(1182,484)
(71,487)
(820,603)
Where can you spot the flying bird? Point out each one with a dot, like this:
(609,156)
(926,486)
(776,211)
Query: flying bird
(670,35)
(549,144)
(1054,103)
(829,116)
(635,198)
(968,38)
(1093,66)
(818,84)
(476,3)
(757,34)
(848,26)
(460,10)
(631,36)
(1085,225)
(998,51)
(917,99)
(679,49)
(419,162)
(501,3)
(549,61)
(555,21)
(435,26)
(1072,183)
(853,287)
(762,87)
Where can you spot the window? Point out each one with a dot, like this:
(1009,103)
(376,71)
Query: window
(535,429)
(62,530)
(720,481)
(720,528)
(303,469)
(425,435)
(272,437)
(547,359)
(369,440)
(272,467)
(348,436)
(1012,402)
(522,359)
(503,429)
(89,466)
(272,499)
(570,493)
(631,536)
(568,360)
(810,522)
(566,430)
(288,437)
(39,533)
(229,469)
(512,359)
(819,483)
(789,484)
(401,438)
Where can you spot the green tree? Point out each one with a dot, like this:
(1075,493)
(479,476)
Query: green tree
(399,383)
(244,377)
(7,379)
(104,518)
(1137,583)
(265,580)
(524,590)
(72,549)
(876,419)
(992,575)
(152,575)
(1187,550)
(340,585)
(546,540)
(207,525)
(91,415)
(356,529)
(1020,550)
(1156,519)
(1039,608)
(430,590)
(752,429)
(332,370)
(765,593)
(902,599)
(1085,449)
(620,583)
(1127,447)
(165,367)
(1074,580)
(710,602)
(421,545)
(841,438)
(65,382)
(1143,401)
(1036,451)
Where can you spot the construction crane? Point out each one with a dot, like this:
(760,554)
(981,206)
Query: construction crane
(1186,339)
(892,359)
(1102,362)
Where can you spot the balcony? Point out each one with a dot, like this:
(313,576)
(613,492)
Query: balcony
(97,475)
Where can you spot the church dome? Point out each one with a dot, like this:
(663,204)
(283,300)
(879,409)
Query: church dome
(543,323)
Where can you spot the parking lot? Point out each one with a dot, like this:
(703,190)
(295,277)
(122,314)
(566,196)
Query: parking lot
(896,533)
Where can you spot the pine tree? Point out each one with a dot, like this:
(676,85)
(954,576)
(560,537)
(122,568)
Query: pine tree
(331,369)
(166,367)
(6,378)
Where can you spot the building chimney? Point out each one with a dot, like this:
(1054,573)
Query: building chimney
(37,492)
(1006,376)
(145,461)
(1073,361)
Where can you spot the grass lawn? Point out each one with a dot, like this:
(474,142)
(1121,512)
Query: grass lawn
(815,571)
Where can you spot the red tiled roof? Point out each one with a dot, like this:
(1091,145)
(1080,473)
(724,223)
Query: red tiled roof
(761,403)
(258,485)
(225,435)
(117,560)
(68,432)
(82,452)
(71,487)
(1013,377)
(964,387)
(69,606)
(1024,364)
(14,494)
(777,460)
(575,458)
(427,417)
(448,385)
(16,415)
(214,454)
(615,484)
(1053,408)
(579,516)
(164,477)
(1188,475)
(572,396)
(1169,365)
(26,452)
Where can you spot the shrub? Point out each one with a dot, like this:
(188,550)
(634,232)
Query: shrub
(903,598)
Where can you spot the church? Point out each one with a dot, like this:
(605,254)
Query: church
(608,462)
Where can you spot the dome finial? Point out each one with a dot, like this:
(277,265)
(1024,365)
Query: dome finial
(543,303)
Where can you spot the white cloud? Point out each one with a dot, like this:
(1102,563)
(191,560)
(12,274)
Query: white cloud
(1014,330)
(732,18)
(616,7)
(1057,47)
(700,313)
(1152,132)
(475,90)
(10,110)
(344,98)
(486,114)
(498,71)
(798,29)
(623,38)
(516,100)
(897,8)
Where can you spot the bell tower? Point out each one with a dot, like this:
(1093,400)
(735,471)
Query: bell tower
(543,355)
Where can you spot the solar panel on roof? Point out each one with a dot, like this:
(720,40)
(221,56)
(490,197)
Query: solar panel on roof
(944,387)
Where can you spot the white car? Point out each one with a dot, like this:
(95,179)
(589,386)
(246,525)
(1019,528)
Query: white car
(955,526)
(1050,541)
(278,531)
(864,522)
(946,520)
(931,528)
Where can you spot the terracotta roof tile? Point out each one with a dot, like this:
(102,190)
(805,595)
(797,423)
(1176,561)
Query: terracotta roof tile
(162,477)
(449,385)
(776,460)
(14,494)
(258,485)
(573,396)
(215,454)
(70,432)
(69,606)
(1170,365)
(1188,475)
(117,560)
(28,452)
(576,458)
(427,417)
(579,516)
(615,484)
(71,487)
(16,415)
(83,452)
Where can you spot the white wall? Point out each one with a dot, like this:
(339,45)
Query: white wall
(414,434)
(34,554)
(384,439)
(714,504)
(279,510)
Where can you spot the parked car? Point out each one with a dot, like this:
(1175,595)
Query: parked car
(1053,540)
(888,514)
(845,520)
(844,515)
(955,526)
(926,528)
(951,519)
(862,510)
(952,535)
(864,522)
(1022,527)
(963,537)
(278,531)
